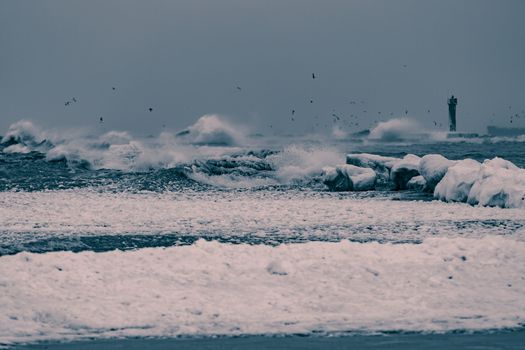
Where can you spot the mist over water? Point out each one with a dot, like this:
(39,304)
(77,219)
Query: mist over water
(213,152)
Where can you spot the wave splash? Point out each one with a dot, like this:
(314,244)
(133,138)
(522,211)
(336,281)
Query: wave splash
(119,150)
(214,153)
(210,152)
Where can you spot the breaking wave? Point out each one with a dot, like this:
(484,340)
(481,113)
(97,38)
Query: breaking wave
(212,152)
(398,129)
(212,130)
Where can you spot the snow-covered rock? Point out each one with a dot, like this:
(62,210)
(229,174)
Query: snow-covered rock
(417,183)
(457,182)
(433,167)
(496,182)
(380,164)
(500,183)
(348,177)
(403,170)
(373,161)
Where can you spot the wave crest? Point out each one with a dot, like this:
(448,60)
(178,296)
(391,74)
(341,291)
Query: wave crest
(395,130)
(212,130)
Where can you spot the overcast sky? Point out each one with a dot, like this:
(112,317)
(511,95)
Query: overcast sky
(186,58)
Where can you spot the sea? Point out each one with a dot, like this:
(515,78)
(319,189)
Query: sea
(210,234)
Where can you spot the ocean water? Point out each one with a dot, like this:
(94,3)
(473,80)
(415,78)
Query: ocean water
(109,235)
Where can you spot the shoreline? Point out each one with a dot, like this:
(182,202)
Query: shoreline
(507,339)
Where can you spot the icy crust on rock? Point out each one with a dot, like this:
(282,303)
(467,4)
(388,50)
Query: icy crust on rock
(368,160)
(457,182)
(403,170)
(433,167)
(417,183)
(212,288)
(348,177)
(500,183)
(496,183)
(395,172)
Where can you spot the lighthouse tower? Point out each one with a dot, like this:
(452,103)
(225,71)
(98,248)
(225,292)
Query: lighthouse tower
(452,102)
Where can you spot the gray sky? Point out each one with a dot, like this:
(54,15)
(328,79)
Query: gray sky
(185,59)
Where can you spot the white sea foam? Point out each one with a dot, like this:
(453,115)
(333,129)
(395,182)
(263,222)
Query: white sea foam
(121,151)
(397,129)
(298,162)
(213,130)
(78,212)
(23,132)
(210,288)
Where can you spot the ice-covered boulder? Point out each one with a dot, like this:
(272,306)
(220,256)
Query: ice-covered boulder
(417,183)
(403,170)
(348,177)
(380,164)
(456,184)
(373,161)
(500,183)
(433,167)
(496,182)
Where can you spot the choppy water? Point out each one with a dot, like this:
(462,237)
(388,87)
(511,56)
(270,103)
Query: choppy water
(137,211)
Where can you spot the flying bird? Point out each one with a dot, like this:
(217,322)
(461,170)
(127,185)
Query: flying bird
(293,111)
(313,75)
(113,88)
(101,120)
(67,103)
(150,109)
(239,88)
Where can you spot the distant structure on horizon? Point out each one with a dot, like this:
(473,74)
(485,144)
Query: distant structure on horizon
(499,131)
(452,103)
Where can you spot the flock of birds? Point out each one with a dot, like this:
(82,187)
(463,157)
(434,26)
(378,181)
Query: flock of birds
(101,119)
(351,120)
